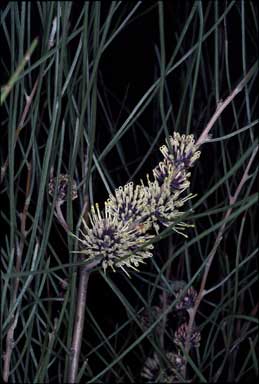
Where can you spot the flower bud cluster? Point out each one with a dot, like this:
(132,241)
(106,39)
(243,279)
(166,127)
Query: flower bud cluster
(154,372)
(153,369)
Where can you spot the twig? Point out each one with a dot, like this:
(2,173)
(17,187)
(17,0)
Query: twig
(60,217)
(10,333)
(8,87)
(80,313)
(202,291)
(9,348)
(29,98)
(53,33)
(78,325)
(223,104)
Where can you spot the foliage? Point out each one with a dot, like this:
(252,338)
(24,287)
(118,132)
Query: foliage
(93,97)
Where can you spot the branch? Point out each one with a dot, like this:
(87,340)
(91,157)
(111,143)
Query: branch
(79,320)
(78,325)
(223,104)
(202,291)
(80,310)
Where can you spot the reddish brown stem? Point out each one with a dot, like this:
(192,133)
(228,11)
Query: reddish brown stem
(223,104)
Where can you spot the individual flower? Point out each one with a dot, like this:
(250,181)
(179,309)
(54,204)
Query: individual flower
(180,150)
(62,182)
(180,336)
(154,372)
(179,154)
(162,206)
(113,242)
(187,301)
(178,176)
(127,204)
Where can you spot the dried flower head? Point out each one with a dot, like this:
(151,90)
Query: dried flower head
(187,301)
(180,150)
(162,205)
(115,243)
(62,182)
(153,372)
(150,315)
(127,204)
(180,336)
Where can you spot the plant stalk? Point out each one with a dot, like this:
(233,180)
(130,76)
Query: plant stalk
(79,324)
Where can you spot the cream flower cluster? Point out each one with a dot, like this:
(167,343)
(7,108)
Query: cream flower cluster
(118,235)
(117,244)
